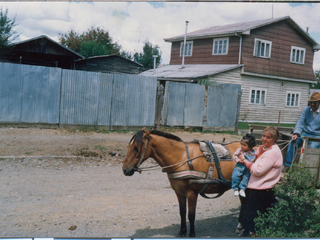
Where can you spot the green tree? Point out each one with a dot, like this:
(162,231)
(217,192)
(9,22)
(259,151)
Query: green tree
(146,58)
(297,215)
(93,42)
(317,85)
(7,35)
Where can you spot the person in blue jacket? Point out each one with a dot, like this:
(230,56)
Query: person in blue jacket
(307,125)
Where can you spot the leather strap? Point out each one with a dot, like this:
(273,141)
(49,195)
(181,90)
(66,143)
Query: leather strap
(188,155)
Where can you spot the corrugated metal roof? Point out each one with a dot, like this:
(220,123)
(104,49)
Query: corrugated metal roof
(107,56)
(243,28)
(227,29)
(49,39)
(189,71)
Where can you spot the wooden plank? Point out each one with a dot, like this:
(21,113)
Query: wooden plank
(312,161)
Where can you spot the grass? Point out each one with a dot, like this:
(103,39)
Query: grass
(100,147)
(245,125)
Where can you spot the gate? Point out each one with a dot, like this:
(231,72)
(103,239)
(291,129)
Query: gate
(210,107)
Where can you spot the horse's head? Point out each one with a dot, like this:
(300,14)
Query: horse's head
(136,152)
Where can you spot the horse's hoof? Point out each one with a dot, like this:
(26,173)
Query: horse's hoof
(182,234)
(192,235)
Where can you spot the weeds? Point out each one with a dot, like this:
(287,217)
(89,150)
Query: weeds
(297,214)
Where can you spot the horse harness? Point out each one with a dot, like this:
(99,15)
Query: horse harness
(211,157)
(205,179)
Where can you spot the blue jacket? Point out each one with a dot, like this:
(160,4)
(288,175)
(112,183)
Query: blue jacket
(307,123)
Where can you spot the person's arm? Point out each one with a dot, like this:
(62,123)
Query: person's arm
(300,124)
(265,163)
(236,155)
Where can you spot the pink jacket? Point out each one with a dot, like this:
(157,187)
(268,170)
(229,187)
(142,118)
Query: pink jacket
(266,170)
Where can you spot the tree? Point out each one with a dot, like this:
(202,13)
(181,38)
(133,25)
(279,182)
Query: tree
(7,35)
(146,58)
(317,85)
(93,42)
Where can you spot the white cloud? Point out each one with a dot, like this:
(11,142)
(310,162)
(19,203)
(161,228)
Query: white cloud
(132,23)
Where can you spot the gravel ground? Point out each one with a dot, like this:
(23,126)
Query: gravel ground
(57,183)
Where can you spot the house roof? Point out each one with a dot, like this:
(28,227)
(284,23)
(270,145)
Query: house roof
(48,39)
(108,56)
(189,71)
(243,28)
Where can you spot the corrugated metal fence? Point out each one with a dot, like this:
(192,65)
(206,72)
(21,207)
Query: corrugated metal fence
(45,95)
(35,94)
(211,107)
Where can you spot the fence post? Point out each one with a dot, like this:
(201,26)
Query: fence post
(159,104)
(205,105)
(236,127)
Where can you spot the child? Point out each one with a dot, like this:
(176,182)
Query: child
(241,174)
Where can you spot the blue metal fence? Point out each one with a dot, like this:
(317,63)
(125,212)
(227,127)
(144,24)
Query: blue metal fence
(35,94)
(194,105)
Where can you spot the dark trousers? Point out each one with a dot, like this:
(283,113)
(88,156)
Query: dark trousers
(255,200)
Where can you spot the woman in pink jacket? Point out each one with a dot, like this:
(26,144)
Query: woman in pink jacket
(265,174)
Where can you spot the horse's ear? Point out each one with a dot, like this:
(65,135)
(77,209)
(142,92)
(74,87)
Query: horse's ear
(147,133)
(143,129)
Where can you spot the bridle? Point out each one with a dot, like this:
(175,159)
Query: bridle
(157,166)
(143,153)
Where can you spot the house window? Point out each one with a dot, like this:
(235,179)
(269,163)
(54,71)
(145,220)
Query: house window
(292,99)
(297,55)
(188,49)
(262,48)
(258,96)
(220,46)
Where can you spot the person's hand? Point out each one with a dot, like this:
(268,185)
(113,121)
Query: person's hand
(241,158)
(294,137)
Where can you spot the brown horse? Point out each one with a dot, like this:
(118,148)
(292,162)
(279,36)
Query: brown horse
(169,151)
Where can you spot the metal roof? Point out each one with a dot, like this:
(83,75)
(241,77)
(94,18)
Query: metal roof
(49,39)
(107,56)
(243,28)
(189,71)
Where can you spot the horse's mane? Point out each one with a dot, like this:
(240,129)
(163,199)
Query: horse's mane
(139,135)
(166,135)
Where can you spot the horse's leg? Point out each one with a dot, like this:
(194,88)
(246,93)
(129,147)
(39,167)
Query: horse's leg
(183,213)
(192,204)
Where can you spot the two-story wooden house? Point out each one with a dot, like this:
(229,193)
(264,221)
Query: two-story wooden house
(271,59)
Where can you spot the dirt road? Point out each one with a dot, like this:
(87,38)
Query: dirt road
(57,183)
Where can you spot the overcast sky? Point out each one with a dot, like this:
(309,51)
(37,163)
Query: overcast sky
(132,23)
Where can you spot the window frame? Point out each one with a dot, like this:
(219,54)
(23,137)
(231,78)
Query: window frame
(296,102)
(217,40)
(255,96)
(297,49)
(265,49)
(181,49)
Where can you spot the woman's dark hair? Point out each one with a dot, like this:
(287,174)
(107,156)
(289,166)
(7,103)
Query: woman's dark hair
(250,140)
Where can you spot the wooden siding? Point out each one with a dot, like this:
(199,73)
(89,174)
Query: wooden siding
(202,53)
(109,65)
(282,36)
(275,99)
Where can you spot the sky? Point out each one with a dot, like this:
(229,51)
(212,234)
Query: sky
(131,24)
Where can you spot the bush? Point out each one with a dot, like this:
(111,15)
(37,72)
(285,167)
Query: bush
(297,212)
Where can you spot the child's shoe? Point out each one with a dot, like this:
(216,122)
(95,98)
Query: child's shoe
(242,193)
(236,193)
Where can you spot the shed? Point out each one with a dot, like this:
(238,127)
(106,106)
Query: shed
(42,51)
(109,64)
